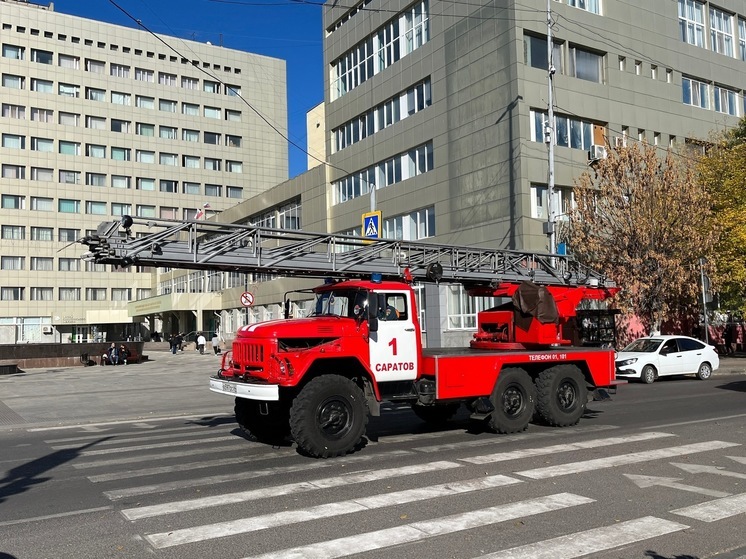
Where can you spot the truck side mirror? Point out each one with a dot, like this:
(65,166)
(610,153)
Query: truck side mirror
(372,322)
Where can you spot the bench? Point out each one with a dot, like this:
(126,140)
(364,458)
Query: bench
(9,369)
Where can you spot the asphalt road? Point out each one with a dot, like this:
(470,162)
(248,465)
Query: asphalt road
(144,461)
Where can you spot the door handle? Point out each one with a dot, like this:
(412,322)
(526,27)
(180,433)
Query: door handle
(409,329)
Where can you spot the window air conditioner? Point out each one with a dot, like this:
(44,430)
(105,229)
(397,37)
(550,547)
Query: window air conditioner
(46,329)
(597,152)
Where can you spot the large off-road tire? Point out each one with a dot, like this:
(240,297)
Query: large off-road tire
(272,427)
(514,399)
(437,415)
(328,417)
(561,395)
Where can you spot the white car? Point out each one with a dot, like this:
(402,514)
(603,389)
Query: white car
(658,356)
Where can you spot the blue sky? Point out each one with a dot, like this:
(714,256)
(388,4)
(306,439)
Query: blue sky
(279,28)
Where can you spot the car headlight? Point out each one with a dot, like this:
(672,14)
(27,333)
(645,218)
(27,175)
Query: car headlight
(626,362)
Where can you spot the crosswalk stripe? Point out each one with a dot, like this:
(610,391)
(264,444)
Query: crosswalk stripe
(327,510)
(584,543)
(200,417)
(492,440)
(418,531)
(715,510)
(82,438)
(158,445)
(191,453)
(622,460)
(565,447)
(287,489)
(115,440)
(204,464)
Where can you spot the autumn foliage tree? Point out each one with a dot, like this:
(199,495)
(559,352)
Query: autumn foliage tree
(644,222)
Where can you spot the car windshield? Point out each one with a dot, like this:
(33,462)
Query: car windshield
(643,345)
(352,303)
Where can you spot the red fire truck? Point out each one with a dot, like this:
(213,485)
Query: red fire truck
(318,378)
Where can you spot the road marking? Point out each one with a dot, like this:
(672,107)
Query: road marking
(702,469)
(153,446)
(418,531)
(595,540)
(671,482)
(565,447)
(696,421)
(287,489)
(623,460)
(52,516)
(327,510)
(162,456)
(114,439)
(229,461)
(195,427)
(739,459)
(201,416)
(715,510)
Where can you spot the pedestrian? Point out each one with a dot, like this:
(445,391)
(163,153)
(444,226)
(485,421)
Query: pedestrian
(180,342)
(172,344)
(216,344)
(201,341)
(113,354)
(124,354)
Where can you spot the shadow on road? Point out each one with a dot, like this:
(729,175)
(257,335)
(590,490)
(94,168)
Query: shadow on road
(739,386)
(212,421)
(23,477)
(656,555)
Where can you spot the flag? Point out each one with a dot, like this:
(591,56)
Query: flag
(201,212)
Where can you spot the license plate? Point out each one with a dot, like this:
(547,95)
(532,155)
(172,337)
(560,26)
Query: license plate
(228,387)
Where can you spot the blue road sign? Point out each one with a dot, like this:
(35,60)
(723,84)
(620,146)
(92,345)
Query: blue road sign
(372,225)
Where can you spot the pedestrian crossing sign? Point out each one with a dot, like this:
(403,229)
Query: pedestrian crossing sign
(372,225)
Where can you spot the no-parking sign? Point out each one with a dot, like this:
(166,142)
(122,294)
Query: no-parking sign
(247,299)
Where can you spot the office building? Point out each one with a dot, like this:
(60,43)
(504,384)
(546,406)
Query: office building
(100,121)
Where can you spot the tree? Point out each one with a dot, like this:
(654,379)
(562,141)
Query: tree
(723,173)
(644,222)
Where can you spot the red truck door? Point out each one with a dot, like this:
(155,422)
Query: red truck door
(393,348)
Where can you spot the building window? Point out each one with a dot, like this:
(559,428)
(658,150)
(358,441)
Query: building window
(118,98)
(170,159)
(68,265)
(234,166)
(120,154)
(586,65)
(721,31)
(13,82)
(212,138)
(232,116)
(695,93)
(143,293)
(213,190)
(169,213)
(11,263)
(190,109)
(742,38)
(146,184)
(234,192)
(69,119)
(42,264)
(95,208)
(14,111)
(11,293)
(121,209)
(190,187)
(39,204)
(68,235)
(14,141)
(42,293)
(120,126)
(68,206)
(289,216)
(191,162)
(42,56)
(211,87)
(13,171)
(95,294)
(119,70)
(95,179)
(42,234)
(12,51)
(69,177)
(232,141)
(143,156)
(45,145)
(13,232)
(69,293)
(463,309)
(167,105)
(42,174)
(67,61)
(144,75)
(593,6)
(726,101)
(535,53)
(233,90)
(69,148)
(212,112)
(93,94)
(570,132)
(212,164)
(190,135)
(167,132)
(95,122)
(120,181)
(168,186)
(144,102)
(189,83)
(691,22)
(95,66)
(120,293)
(165,78)
(145,211)
(69,90)
(144,129)
(12,202)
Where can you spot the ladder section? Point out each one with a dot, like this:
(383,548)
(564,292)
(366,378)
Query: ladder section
(206,245)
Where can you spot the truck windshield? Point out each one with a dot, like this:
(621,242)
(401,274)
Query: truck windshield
(352,303)
(643,345)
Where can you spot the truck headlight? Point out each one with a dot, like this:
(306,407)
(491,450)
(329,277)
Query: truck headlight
(626,362)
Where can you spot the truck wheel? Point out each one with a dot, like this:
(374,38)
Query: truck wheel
(328,417)
(561,395)
(437,415)
(272,427)
(514,399)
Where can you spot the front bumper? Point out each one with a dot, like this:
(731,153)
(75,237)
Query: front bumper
(628,373)
(264,392)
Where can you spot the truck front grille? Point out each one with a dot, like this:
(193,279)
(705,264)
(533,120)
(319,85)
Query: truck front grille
(248,355)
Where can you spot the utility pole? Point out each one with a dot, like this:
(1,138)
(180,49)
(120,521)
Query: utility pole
(549,136)
(704,297)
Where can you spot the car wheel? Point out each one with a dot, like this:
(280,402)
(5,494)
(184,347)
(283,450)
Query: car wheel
(705,371)
(648,374)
